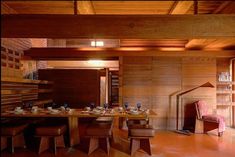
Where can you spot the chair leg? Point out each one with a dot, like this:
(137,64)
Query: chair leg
(93,145)
(54,141)
(140,144)
(145,145)
(3,143)
(60,141)
(104,144)
(12,145)
(19,140)
(135,145)
(44,144)
(220,134)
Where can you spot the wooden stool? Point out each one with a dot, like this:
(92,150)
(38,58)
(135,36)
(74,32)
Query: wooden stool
(13,131)
(139,135)
(99,134)
(54,132)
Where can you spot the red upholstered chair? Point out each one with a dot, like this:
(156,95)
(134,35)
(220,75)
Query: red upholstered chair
(210,121)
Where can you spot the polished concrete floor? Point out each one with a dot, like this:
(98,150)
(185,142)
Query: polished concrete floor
(164,144)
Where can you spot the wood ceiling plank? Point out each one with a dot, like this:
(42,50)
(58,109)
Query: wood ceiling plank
(132,7)
(221,7)
(113,53)
(118,26)
(42,7)
(5,9)
(85,7)
(181,7)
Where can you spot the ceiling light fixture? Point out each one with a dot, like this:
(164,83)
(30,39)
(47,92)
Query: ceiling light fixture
(97,43)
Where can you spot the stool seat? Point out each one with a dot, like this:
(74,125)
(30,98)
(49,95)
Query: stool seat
(141,131)
(56,130)
(11,129)
(101,129)
(15,132)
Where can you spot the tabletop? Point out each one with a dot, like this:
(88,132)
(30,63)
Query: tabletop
(78,113)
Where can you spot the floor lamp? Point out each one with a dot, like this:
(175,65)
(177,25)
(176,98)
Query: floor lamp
(207,84)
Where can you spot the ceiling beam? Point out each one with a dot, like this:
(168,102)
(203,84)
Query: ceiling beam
(112,53)
(181,7)
(85,7)
(75,7)
(118,26)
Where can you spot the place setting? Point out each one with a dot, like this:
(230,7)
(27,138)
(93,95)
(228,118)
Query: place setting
(17,110)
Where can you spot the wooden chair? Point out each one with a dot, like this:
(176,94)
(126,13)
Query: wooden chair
(14,132)
(100,133)
(140,135)
(206,122)
(50,134)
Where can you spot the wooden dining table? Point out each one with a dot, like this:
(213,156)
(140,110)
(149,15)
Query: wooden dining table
(73,116)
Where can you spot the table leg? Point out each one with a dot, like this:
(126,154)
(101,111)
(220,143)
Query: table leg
(122,123)
(73,131)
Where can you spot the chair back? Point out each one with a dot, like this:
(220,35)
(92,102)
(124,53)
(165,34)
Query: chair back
(202,108)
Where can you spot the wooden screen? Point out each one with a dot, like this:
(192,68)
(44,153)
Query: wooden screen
(77,87)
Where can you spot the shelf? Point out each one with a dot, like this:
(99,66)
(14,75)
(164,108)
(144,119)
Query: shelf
(226,92)
(19,80)
(226,83)
(45,90)
(21,91)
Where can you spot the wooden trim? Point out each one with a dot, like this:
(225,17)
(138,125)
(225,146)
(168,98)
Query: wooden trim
(113,53)
(118,26)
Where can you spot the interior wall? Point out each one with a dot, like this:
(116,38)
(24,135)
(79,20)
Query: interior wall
(11,53)
(195,72)
(76,87)
(155,82)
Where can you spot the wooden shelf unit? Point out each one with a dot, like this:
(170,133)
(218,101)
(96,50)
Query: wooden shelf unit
(16,91)
(225,94)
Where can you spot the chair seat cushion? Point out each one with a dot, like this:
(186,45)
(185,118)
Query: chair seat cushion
(11,129)
(141,131)
(99,129)
(55,130)
(213,118)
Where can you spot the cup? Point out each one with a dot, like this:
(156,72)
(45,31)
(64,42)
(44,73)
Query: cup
(68,109)
(49,108)
(120,109)
(34,110)
(17,108)
(62,107)
(87,108)
(35,107)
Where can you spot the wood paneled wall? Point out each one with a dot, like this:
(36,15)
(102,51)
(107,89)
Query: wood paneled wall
(155,81)
(195,72)
(76,87)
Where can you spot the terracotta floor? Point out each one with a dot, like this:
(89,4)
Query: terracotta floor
(164,144)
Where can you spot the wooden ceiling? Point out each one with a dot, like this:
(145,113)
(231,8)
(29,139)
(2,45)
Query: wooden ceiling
(118,7)
(130,7)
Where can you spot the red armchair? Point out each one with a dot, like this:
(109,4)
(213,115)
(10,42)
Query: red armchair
(210,121)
